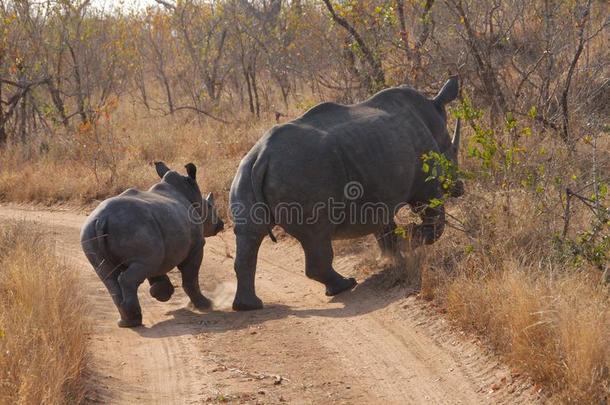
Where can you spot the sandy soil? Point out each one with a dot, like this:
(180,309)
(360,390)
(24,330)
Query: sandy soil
(376,344)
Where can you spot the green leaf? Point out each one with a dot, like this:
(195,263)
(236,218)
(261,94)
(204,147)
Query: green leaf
(435,202)
(533,112)
(603,190)
(401,231)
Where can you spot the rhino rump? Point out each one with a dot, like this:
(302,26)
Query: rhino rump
(158,235)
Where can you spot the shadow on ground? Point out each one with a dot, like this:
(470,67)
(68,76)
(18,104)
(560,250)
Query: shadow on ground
(370,295)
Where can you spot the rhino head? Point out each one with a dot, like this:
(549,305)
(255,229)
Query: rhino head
(212,224)
(204,208)
(448,93)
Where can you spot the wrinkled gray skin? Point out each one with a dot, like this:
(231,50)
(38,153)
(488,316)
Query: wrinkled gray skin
(140,235)
(306,162)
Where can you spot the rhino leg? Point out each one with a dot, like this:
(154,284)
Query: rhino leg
(319,265)
(130,280)
(190,280)
(246,255)
(109,275)
(161,288)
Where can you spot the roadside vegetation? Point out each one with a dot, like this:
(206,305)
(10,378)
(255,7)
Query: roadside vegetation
(535,300)
(43,324)
(91,97)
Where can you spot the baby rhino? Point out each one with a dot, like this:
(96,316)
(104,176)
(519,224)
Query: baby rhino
(140,235)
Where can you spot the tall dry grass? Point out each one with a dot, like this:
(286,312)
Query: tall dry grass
(554,327)
(506,280)
(43,328)
(91,163)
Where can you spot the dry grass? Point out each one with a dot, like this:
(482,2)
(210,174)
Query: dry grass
(42,322)
(90,164)
(546,316)
(557,327)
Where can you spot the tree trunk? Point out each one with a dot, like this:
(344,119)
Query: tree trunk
(23,119)
(212,79)
(80,97)
(2,123)
(249,86)
(57,102)
(168,91)
(257,103)
(565,134)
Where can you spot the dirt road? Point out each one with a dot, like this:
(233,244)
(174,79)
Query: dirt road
(373,345)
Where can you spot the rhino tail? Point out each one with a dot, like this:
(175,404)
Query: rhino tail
(271,235)
(259,170)
(101,235)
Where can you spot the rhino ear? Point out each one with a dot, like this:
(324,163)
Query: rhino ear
(191,170)
(448,93)
(161,169)
(210,198)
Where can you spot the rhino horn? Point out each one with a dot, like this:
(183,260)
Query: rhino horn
(455,143)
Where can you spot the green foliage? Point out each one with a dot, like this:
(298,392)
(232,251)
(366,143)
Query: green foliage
(438,167)
(401,231)
(498,152)
(590,246)
(500,155)
(482,144)
(442,170)
(510,121)
(386,13)
(602,192)
(533,112)
(594,250)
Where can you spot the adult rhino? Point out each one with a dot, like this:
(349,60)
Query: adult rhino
(140,235)
(341,172)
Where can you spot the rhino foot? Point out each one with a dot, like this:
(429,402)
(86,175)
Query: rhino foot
(162,290)
(130,323)
(247,304)
(200,304)
(340,285)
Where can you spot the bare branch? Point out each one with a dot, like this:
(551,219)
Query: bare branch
(566,90)
(166,4)
(200,111)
